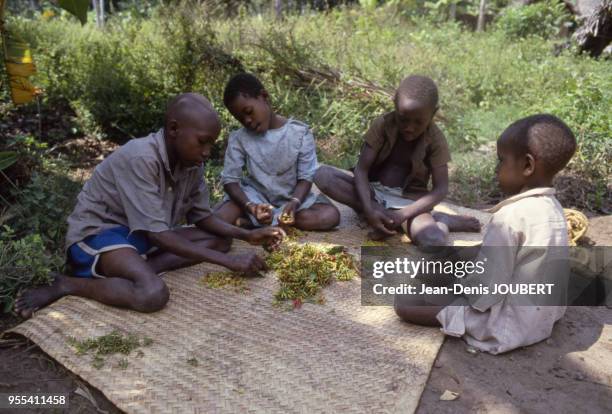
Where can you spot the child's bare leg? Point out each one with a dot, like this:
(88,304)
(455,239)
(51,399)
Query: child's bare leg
(457,222)
(319,216)
(339,186)
(230,212)
(165,261)
(408,311)
(425,231)
(131,283)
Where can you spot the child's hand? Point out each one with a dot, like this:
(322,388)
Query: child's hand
(248,263)
(397,217)
(262,213)
(271,236)
(379,221)
(287,216)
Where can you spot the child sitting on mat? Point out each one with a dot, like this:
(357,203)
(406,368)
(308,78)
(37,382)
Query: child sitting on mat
(124,229)
(280,159)
(528,233)
(403,150)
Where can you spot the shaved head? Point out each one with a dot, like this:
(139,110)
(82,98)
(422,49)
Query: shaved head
(191,127)
(419,88)
(189,108)
(551,142)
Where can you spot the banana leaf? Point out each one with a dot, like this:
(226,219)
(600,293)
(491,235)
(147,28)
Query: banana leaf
(77,7)
(7,158)
(18,58)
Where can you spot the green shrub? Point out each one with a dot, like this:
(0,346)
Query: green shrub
(32,242)
(43,206)
(335,71)
(23,263)
(119,80)
(543,19)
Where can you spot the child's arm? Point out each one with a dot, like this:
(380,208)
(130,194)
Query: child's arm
(201,215)
(439,177)
(173,242)
(219,227)
(377,219)
(235,160)
(306,169)
(498,252)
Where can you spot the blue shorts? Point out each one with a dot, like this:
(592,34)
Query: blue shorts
(84,255)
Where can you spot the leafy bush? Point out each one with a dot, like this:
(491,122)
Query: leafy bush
(43,206)
(543,19)
(335,71)
(117,83)
(32,241)
(23,263)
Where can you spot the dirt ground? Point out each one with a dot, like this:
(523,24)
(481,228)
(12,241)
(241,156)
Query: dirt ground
(570,372)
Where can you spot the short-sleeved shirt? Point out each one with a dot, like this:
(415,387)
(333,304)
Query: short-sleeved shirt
(430,150)
(274,161)
(493,323)
(134,187)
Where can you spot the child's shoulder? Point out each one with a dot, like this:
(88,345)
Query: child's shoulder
(143,148)
(298,126)
(382,128)
(538,209)
(386,121)
(434,133)
(527,204)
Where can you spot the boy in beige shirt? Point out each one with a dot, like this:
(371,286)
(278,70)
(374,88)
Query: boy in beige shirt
(531,152)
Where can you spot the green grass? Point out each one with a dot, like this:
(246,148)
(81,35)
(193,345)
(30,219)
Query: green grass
(335,70)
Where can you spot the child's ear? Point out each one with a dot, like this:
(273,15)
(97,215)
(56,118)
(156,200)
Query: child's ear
(529,165)
(435,111)
(264,94)
(172,128)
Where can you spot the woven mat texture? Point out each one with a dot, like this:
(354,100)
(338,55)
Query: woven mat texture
(338,357)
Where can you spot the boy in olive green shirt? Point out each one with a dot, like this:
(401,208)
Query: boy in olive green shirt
(403,149)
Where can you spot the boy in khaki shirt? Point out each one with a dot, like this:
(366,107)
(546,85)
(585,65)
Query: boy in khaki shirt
(403,149)
(125,228)
(526,235)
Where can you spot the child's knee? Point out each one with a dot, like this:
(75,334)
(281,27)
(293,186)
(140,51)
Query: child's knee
(228,211)
(152,297)
(323,176)
(402,311)
(431,237)
(420,315)
(223,244)
(403,307)
(332,218)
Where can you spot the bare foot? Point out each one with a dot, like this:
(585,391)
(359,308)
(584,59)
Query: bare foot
(34,299)
(458,222)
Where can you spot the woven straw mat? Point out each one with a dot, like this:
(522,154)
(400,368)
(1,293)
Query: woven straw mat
(338,357)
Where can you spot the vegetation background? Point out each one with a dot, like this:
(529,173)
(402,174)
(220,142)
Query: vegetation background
(331,64)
